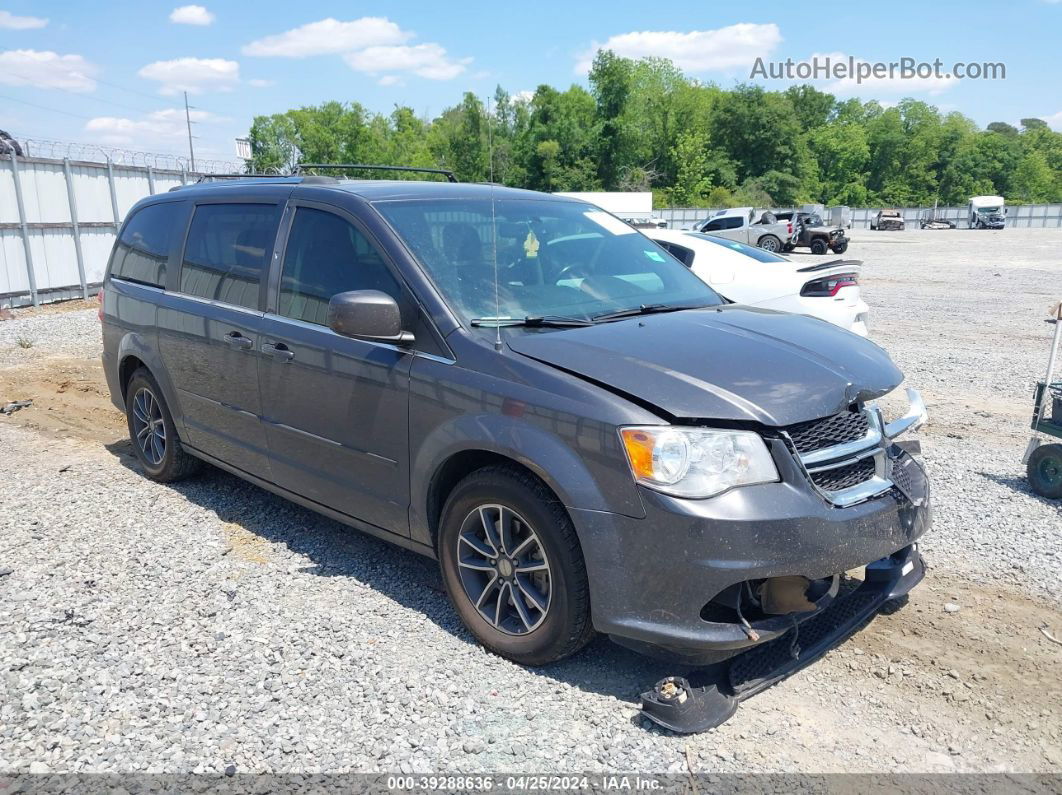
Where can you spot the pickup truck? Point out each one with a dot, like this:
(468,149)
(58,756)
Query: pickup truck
(748,225)
(811,232)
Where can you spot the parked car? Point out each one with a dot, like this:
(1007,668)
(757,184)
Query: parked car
(747,225)
(888,221)
(582,432)
(809,231)
(751,276)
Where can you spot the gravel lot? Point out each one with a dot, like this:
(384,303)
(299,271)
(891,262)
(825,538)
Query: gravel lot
(209,625)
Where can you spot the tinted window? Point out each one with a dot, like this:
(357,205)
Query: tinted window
(683,255)
(553,258)
(326,255)
(144,244)
(733,222)
(228,250)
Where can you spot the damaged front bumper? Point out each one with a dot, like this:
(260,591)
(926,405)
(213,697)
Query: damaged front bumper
(697,581)
(688,705)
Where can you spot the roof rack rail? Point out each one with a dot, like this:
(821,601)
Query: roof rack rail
(298,170)
(210,177)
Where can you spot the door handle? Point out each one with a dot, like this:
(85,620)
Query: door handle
(237,340)
(278,351)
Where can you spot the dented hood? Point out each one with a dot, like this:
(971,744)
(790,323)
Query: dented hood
(730,363)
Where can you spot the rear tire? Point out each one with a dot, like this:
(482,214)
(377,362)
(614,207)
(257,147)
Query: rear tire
(152,432)
(1045,471)
(818,246)
(531,618)
(770,243)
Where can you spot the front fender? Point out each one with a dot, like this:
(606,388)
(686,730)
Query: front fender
(544,452)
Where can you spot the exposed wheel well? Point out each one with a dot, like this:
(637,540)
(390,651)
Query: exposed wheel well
(455,468)
(129,365)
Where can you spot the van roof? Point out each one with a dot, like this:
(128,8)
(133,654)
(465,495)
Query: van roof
(372,190)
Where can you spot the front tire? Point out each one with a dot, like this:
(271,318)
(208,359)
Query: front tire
(840,248)
(1045,471)
(818,246)
(513,567)
(152,432)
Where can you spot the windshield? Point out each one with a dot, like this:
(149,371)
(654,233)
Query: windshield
(742,248)
(988,209)
(556,259)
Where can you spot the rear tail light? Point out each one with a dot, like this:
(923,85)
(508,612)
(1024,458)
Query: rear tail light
(829,285)
(789,228)
(99,300)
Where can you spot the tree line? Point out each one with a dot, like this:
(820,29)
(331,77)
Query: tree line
(643,125)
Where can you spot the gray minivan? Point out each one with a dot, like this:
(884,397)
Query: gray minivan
(583,433)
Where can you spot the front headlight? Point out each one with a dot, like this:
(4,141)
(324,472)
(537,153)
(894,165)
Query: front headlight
(696,462)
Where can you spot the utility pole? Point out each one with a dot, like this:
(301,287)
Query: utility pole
(188,121)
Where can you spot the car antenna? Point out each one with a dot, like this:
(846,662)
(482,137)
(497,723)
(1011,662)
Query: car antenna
(493,231)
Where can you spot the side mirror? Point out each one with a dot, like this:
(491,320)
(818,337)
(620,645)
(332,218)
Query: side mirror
(368,315)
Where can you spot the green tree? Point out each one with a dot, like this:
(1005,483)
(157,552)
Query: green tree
(610,79)
(692,183)
(1033,180)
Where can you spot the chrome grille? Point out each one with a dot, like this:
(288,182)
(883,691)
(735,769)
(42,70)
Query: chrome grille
(845,426)
(843,454)
(846,476)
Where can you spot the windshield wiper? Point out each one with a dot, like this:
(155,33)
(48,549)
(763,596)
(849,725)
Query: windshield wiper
(552,321)
(644,309)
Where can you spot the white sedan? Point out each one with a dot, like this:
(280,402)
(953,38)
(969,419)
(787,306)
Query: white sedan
(748,275)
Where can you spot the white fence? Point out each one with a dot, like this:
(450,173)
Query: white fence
(1018,216)
(58,219)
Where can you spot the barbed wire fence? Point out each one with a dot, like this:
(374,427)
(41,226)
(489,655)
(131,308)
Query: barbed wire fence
(99,153)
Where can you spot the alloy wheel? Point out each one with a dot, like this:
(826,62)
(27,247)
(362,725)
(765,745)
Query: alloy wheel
(148,426)
(504,570)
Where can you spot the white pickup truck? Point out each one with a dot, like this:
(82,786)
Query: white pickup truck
(748,225)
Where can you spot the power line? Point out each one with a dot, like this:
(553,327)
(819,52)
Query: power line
(139,93)
(104,101)
(45,107)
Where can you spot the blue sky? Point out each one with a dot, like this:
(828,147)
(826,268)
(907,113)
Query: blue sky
(113,72)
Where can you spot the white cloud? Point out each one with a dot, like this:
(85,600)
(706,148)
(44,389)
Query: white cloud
(194,75)
(46,69)
(523,96)
(191,15)
(9,21)
(329,36)
(390,80)
(884,85)
(258,82)
(692,51)
(158,128)
(1054,121)
(425,60)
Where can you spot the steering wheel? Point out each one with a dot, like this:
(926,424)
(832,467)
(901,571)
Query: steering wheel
(573,271)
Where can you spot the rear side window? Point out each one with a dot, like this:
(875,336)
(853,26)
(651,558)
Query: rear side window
(326,255)
(733,222)
(682,254)
(144,245)
(228,251)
